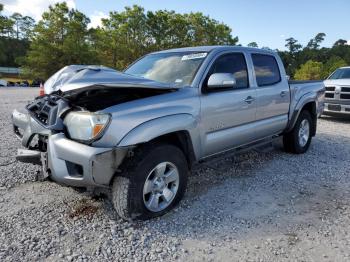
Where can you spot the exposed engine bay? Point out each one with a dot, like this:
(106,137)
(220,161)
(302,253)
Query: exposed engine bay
(101,97)
(89,88)
(80,89)
(50,110)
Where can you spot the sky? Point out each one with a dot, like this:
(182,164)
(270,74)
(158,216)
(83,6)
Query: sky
(267,22)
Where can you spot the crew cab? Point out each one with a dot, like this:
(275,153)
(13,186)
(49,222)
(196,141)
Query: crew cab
(139,132)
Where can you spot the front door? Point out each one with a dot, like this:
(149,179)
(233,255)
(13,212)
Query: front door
(227,116)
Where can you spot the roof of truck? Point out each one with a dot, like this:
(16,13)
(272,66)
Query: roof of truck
(215,47)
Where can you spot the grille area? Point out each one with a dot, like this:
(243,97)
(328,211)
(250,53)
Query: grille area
(345,89)
(344,96)
(330,88)
(44,110)
(337,93)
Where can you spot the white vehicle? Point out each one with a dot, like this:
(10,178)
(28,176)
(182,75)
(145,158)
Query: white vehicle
(3,82)
(337,97)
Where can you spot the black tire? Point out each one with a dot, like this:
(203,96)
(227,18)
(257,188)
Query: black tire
(291,140)
(127,188)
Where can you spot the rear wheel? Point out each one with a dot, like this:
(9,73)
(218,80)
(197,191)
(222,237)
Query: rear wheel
(153,182)
(298,140)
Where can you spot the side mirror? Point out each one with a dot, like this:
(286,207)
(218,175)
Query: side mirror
(221,80)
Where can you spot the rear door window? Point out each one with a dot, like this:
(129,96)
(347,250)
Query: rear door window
(266,69)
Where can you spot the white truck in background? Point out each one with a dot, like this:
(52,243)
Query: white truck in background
(337,97)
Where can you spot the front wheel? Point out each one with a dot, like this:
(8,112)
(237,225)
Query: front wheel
(298,140)
(153,182)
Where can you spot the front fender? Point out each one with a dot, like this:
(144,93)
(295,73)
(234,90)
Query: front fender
(154,128)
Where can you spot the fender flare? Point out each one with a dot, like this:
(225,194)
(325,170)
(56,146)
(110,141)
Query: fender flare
(305,99)
(157,127)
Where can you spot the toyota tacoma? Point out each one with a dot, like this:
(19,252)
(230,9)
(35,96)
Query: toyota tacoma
(139,131)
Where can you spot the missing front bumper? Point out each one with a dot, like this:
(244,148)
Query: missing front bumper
(25,127)
(66,161)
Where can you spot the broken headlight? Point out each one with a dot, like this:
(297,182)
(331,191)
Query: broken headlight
(86,126)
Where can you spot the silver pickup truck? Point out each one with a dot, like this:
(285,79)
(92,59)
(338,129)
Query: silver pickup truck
(139,131)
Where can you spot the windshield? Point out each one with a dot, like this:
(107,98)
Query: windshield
(341,73)
(172,68)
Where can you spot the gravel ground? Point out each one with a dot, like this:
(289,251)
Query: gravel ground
(260,206)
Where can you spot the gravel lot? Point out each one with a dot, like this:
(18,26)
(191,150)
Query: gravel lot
(269,206)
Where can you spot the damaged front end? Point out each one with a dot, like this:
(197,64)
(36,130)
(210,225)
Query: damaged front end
(55,130)
(47,143)
(35,126)
(51,143)
(30,128)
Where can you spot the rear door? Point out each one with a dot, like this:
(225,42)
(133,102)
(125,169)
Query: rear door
(273,95)
(227,116)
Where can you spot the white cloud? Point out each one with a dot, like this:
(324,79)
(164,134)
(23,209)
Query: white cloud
(33,8)
(96,19)
(348,43)
(282,36)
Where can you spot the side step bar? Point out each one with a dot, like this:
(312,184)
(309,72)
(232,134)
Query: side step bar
(263,146)
(29,156)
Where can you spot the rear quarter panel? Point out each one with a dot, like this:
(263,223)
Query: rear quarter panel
(303,92)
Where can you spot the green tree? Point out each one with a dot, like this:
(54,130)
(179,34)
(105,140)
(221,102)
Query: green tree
(16,18)
(123,37)
(253,44)
(290,58)
(206,31)
(340,42)
(23,25)
(311,70)
(2,20)
(2,25)
(292,45)
(62,38)
(168,29)
(6,25)
(59,39)
(127,35)
(331,65)
(315,42)
(14,38)
(6,31)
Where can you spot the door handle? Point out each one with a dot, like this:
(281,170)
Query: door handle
(283,93)
(249,100)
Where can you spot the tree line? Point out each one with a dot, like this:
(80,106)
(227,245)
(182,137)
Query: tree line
(15,33)
(313,62)
(62,37)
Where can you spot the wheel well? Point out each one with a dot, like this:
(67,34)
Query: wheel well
(311,108)
(182,140)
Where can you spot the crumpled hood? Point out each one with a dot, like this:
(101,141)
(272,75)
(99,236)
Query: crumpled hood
(337,82)
(75,77)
